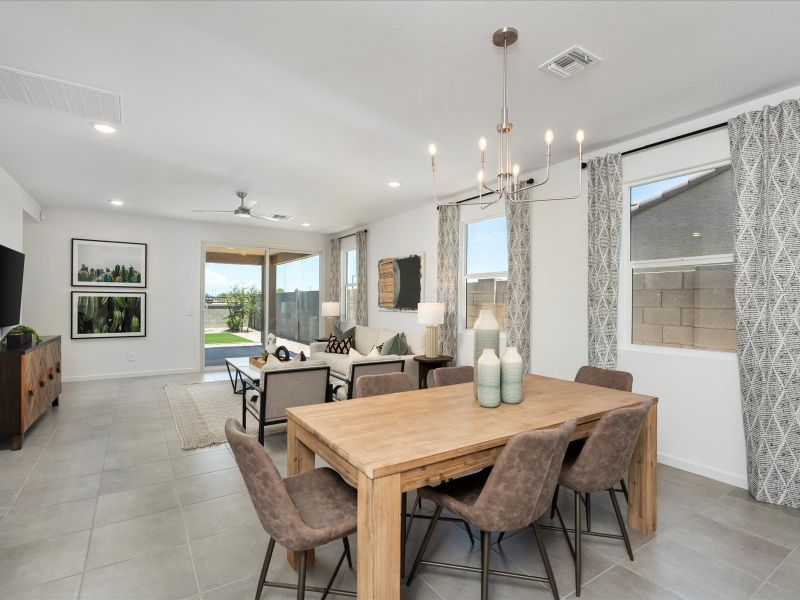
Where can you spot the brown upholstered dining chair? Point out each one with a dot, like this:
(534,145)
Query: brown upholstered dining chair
(597,466)
(453,375)
(511,495)
(300,512)
(386,383)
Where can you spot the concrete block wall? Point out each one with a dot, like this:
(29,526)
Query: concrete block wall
(687,308)
(486,294)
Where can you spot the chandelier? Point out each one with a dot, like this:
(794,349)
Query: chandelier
(508,186)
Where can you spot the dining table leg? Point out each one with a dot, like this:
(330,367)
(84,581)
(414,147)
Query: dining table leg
(642,477)
(378,537)
(299,459)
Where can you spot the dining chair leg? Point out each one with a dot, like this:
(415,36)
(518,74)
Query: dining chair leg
(347,554)
(434,519)
(554,504)
(624,489)
(411,518)
(403,539)
(486,540)
(546,560)
(588,504)
(265,568)
(577,544)
(501,536)
(622,528)
(469,533)
(301,577)
(564,531)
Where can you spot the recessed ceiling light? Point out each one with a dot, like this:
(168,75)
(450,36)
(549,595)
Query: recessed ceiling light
(394,184)
(306,224)
(696,234)
(103,128)
(116,202)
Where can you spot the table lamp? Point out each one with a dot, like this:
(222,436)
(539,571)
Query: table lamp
(330,310)
(431,314)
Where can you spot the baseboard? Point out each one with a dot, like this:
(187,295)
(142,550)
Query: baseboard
(129,374)
(697,469)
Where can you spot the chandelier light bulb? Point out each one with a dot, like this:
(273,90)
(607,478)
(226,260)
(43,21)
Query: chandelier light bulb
(482,144)
(515,170)
(480,176)
(432,149)
(548,136)
(579,136)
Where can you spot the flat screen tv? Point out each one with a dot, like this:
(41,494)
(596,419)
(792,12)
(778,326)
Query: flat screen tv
(11,266)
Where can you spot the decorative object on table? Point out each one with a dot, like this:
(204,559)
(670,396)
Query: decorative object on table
(330,310)
(511,376)
(102,263)
(428,364)
(108,314)
(400,283)
(20,335)
(272,344)
(508,186)
(431,314)
(487,335)
(488,379)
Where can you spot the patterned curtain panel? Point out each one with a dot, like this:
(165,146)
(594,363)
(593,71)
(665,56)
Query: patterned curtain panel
(518,299)
(334,268)
(605,223)
(361,274)
(447,276)
(765,156)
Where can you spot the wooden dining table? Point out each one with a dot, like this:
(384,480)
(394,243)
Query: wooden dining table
(391,444)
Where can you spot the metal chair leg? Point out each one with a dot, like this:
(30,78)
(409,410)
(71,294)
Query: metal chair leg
(486,540)
(301,577)
(327,589)
(546,560)
(588,504)
(437,513)
(566,534)
(346,543)
(554,504)
(501,536)
(624,489)
(403,505)
(469,533)
(577,544)
(622,527)
(265,568)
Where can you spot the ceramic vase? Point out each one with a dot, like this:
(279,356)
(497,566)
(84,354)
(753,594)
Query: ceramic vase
(488,379)
(487,335)
(511,376)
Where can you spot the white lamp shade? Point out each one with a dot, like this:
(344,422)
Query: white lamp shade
(430,313)
(330,309)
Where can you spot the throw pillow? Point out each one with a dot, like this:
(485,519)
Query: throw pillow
(336,346)
(355,354)
(376,351)
(395,345)
(341,335)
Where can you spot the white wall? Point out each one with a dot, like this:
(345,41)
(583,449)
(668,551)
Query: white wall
(174,339)
(14,203)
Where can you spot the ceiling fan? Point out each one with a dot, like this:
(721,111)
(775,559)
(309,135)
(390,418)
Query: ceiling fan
(245,211)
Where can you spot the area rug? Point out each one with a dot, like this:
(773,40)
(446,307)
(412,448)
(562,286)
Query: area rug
(201,409)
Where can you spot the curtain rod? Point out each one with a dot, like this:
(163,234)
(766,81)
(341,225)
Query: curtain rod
(670,140)
(351,234)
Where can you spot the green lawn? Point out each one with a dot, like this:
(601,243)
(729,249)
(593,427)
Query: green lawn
(225,338)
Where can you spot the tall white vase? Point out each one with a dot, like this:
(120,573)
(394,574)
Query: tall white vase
(488,379)
(487,335)
(511,376)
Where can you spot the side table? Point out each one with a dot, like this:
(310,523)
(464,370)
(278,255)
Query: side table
(426,365)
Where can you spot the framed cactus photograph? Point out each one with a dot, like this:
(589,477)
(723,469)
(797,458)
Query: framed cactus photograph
(108,314)
(103,263)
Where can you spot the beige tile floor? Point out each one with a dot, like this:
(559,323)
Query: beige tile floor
(102,503)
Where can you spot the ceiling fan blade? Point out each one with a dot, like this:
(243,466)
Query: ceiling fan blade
(249,203)
(263,217)
(213,211)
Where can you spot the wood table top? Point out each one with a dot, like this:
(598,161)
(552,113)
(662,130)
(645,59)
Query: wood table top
(393,433)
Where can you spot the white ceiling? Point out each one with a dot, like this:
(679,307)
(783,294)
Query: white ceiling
(314,107)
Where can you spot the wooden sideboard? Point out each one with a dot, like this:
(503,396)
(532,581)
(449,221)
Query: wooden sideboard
(30,383)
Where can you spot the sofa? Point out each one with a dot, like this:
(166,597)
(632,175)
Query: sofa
(365,339)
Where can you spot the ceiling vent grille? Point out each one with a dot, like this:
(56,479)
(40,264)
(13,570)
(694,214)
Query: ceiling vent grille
(75,99)
(281,218)
(569,62)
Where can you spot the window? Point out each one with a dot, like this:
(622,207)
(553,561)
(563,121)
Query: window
(681,261)
(349,285)
(486,269)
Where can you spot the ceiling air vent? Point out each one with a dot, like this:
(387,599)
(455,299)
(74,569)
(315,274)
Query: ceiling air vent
(570,62)
(281,218)
(75,99)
